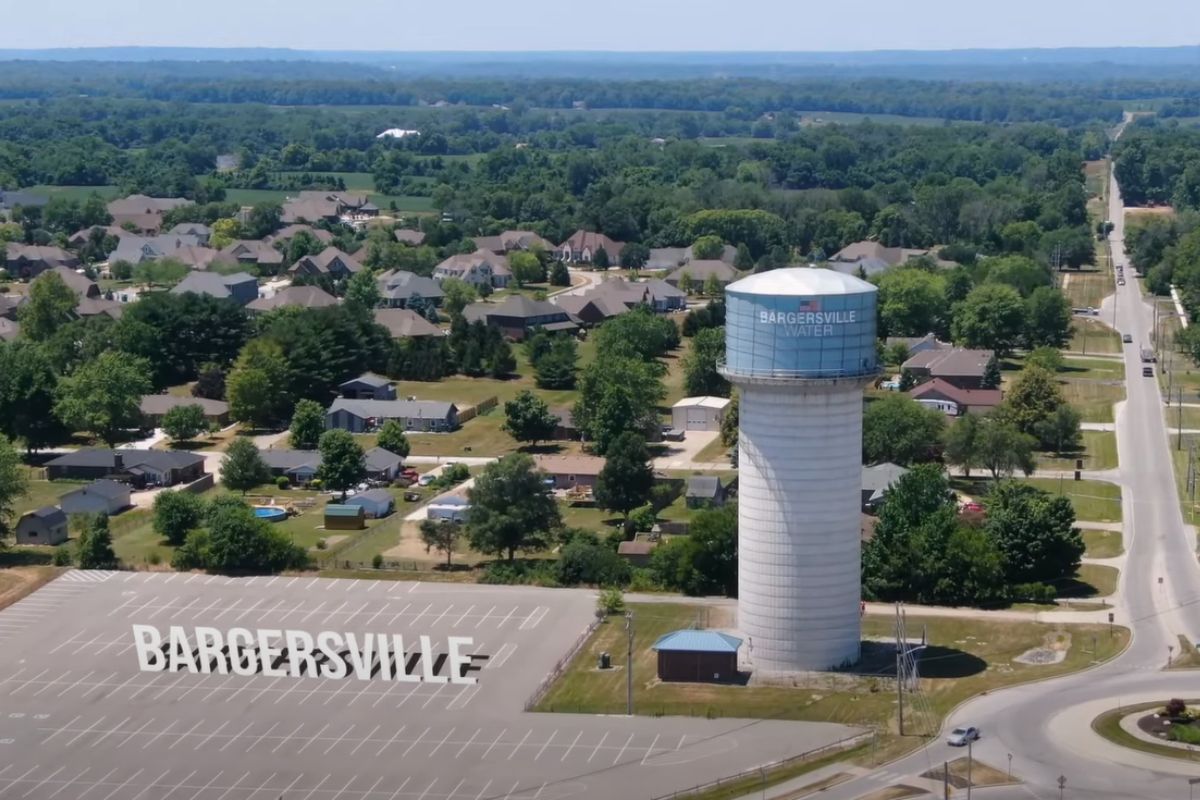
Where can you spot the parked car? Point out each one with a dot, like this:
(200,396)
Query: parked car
(1147,372)
(1127,338)
(961,737)
(426,479)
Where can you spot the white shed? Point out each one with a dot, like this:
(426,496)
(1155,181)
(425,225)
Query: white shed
(451,507)
(699,413)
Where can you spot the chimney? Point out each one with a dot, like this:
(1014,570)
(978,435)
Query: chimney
(118,461)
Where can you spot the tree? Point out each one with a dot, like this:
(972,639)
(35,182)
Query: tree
(237,542)
(458,294)
(640,333)
(362,293)
(625,481)
(700,375)
(242,466)
(343,463)
(912,302)
(14,483)
(600,259)
(441,536)
(586,560)
(900,430)
(263,220)
(992,317)
(1002,449)
(1047,358)
(391,438)
(163,272)
(104,395)
(896,354)
(1021,273)
(308,423)
(743,260)
(907,380)
(1033,397)
(617,394)
(712,286)
(51,305)
(707,248)
(557,366)
(1048,316)
(224,232)
(95,549)
(634,255)
(28,389)
(686,284)
(511,508)
(176,514)
(560,275)
(257,385)
(527,418)
(729,423)
(991,374)
(184,423)
(1061,430)
(962,443)
(705,561)
(526,268)
(1035,531)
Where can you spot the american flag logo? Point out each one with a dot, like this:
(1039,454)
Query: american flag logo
(809,305)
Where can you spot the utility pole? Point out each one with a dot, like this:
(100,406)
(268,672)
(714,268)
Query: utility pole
(629,664)
(1179,405)
(1062,784)
(970,761)
(899,669)
(945,780)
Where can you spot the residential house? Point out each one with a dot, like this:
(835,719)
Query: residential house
(362,416)
(917,344)
(617,295)
(399,289)
(84,235)
(26,261)
(310,211)
(45,526)
(582,246)
(637,552)
(201,232)
(871,258)
(704,491)
(296,296)
(330,261)
(699,272)
(368,386)
(141,213)
(508,241)
(349,204)
(671,258)
(253,254)
(876,480)
(699,413)
(518,315)
(288,232)
(402,323)
(10,200)
(569,472)
(298,466)
(375,503)
(155,406)
(240,287)
(11,304)
(383,465)
(953,400)
(478,268)
(410,236)
(590,309)
(77,282)
(566,429)
(9,330)
(959,366)
(98,306)
(98,497)
(137,249)
(137,467)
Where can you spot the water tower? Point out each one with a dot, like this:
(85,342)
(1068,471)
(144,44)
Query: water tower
(800,347)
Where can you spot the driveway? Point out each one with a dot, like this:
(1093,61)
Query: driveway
(682,455)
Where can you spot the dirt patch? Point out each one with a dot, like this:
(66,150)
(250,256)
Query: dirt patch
(411,548)
(1052,652)
(1131,210)
(981,774)
(19,582)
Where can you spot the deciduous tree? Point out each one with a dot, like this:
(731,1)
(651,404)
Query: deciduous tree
(14,483)
(343,463)
(527,418)
(104,396)
(258,383)
(1002,449)
(442,536)
(700,375)
(95,550)
(242,466)
(898,429)
(992,317)
(1035,531)
(184,423)
(308,423)
(511,508)
(176,514)
(391,438)
(626,479)
(51,305)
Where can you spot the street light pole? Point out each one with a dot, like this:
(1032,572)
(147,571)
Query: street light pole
(1010,767)
(970,761)
(629,664)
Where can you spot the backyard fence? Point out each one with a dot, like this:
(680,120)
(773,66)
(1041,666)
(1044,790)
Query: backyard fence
(562,665)
(480,408)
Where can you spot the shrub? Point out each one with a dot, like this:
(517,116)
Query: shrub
(1175,708)
(321,545)
(643,518)
(642,580)
(591,563)
(316,484)
(62,556)
(377,561)
(1184,733)
(538,573)
(154,559)
(611,601)
(1033,593)
(282,482)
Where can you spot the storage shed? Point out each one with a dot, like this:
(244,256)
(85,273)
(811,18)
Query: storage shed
(699,413)
(697,656)
(98,497)
(376,503)
(449,508)
(46,526)
(345,518)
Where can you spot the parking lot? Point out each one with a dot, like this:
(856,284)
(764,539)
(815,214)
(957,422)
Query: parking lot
(79,719)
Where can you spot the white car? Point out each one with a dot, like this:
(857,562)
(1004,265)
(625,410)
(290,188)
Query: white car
(961,737)
(426,479)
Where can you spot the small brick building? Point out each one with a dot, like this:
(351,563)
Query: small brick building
(697,656)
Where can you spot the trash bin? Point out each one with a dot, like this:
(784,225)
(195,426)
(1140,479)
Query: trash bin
(605,661)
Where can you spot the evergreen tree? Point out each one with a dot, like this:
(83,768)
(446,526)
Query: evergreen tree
(626,479)
(242,466)
(95,545)
(308,423)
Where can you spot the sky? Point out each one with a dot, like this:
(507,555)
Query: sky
(613,25)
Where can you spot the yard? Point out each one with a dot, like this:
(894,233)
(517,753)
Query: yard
(1094,501)
(1102,544)
(1086,288)
(1090,336)
(1094,400)
(1099,452)
(965,657)
(1101,369)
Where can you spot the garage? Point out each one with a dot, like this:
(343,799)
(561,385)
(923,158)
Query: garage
(699,413)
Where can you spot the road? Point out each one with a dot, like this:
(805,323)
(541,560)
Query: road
(1045,726)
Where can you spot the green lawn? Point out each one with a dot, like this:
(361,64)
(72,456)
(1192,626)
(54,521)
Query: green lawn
(74,192)
(1103,369)
(1092,580)
(1092,399)
(1099,452)
(1086,288)
(43,493)
(1190,418)
(1102,544)
(1089,336)
(964,658)
(1094,501)
(249,197)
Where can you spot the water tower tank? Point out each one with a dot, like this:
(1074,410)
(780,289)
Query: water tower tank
(800,346)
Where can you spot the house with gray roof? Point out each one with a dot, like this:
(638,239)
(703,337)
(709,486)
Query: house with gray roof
(403,323)
(136,467)
(155,406)
(301,466)
(330,261)
(704,491)
(252,254)
(362,416)
(875,482)
(668,259)
(508,241)
(197,229)
(582,246)
(368,386)
(240,287)
(44,526)
(12,199)
(137,249)
(375,503)
(83,286)
(26,261)
(399,288)
(518,315)
(296,296)
(701,271)
(288,232)
(957,366)
(98,497)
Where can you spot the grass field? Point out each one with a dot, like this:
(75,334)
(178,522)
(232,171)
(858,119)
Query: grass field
(964,658)
(1092,580)
(1100,369)
(1093,399)
(1102,544)
(1108,725)
(1099,452)
(74,192)
(1094,501)
(1089,336)
(1086,288)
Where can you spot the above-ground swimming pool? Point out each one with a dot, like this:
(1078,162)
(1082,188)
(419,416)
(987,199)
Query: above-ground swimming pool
(270,513)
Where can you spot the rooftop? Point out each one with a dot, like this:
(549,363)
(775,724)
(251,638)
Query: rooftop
(703,402)
(698,642)
(800,281)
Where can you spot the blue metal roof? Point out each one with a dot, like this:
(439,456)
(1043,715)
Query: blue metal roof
(698,641)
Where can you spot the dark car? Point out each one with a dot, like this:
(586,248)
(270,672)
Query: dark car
(1127,339)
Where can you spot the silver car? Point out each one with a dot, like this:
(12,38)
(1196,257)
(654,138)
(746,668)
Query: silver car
(961,737)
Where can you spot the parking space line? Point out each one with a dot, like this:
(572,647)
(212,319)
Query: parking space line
(207,608)
(465,614)
(399,614)
(314,737)
(484,617)
(179,785)
(293,686)
(152,683)
(444,613)
(263,691)
(233,739)
(400,788)
(183,736)
(411,692)
(14,676)
(262,736)
(484,789)
(182,677)
(364,740)
(520,745)
(51,683)
(427,788)
(235,785)
(462,698)
(151,739)
(169,604)
(145,725)
(94,784)
(513,789)
(682,739)
(287,738)
(68,783)
(338,741)
(313,790)
(39,784)
(342,685)
(382,609)
(442,742)
(371,791)
(650,749)
(196,685)
(329,618)
(99,686)
(111,731)
(454,791)
(424,611)
(343,789)
(435,694)
(84,731)
(27,682)
(262,786)
(206,786)
(124,783)
(316,608)
(214,732)
(507,617)
(416,742)
(572,747)
(151,785)
(388,743)
(503,656)
(622,750)
(249,608)
(547,744)
(225,611)
(499,736)
(413,588)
